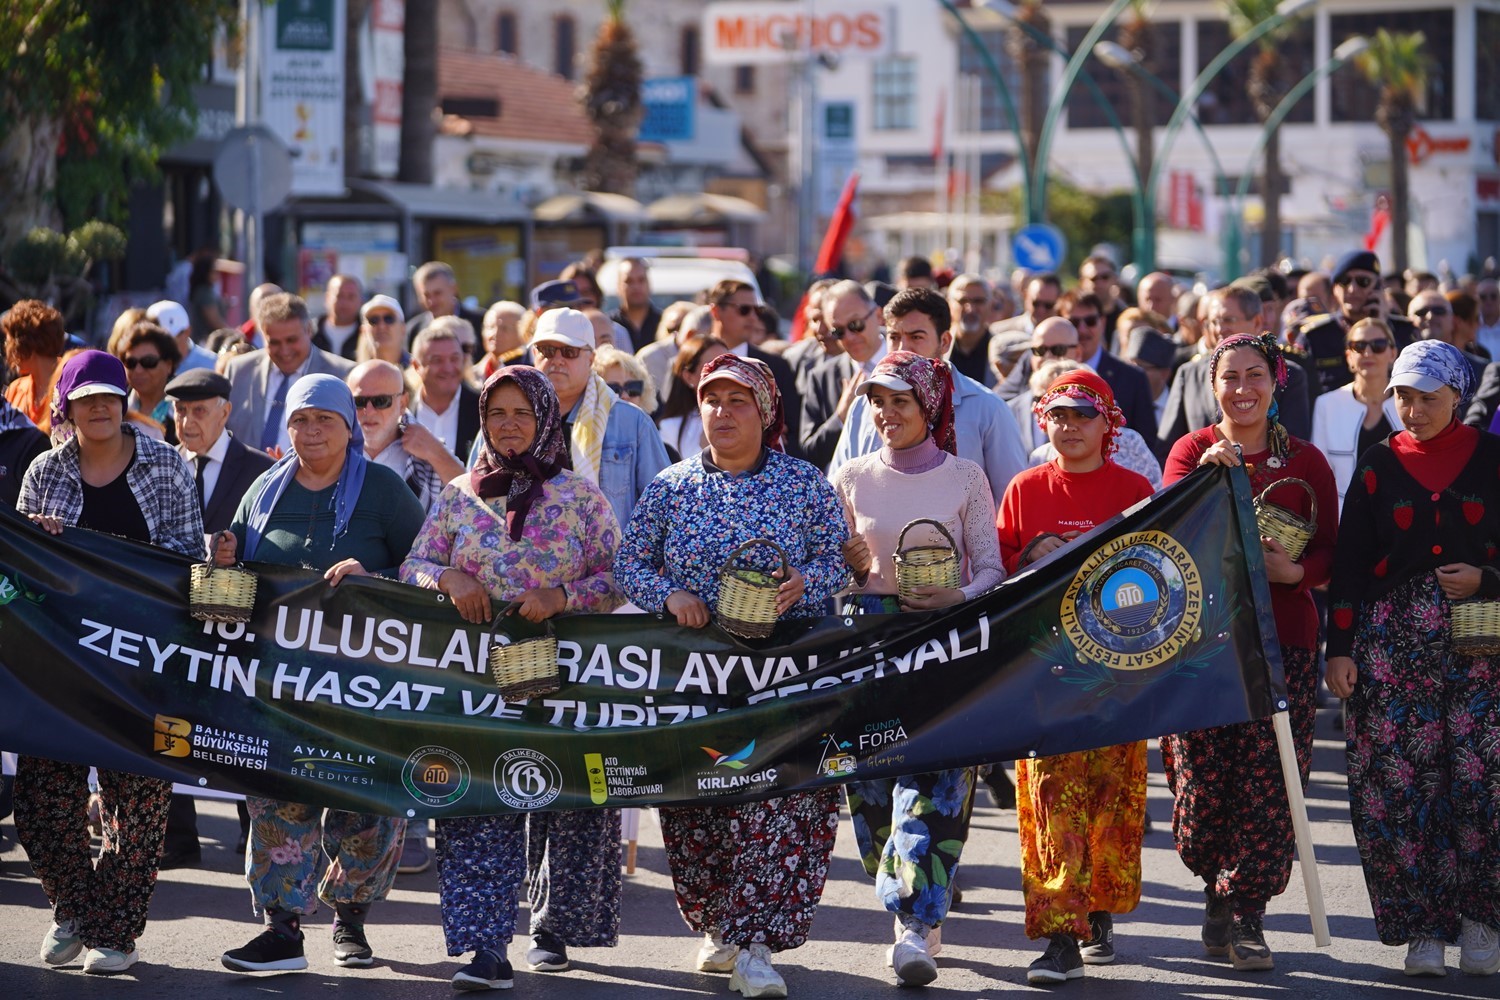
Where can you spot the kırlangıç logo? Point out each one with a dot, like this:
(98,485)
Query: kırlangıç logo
(735,761)
(173,737)
(1134,603)
(526,779)
(435,776)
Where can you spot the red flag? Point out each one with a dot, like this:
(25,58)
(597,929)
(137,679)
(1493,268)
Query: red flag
(832,249)
(1378,221)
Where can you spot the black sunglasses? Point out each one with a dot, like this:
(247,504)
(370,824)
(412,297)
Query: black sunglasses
(149,362)
(853,326)
(743,308)
(1364,281)
(1429,311)
(1056,350)
(550,351)
(1377,346)
(382,319)
(379,402)
(1086,320)
(635,387)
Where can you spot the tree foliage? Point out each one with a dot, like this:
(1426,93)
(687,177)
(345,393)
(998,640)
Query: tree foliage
(44,264)
(1086,219)
(612,100)
(1397,64)
(1268,85)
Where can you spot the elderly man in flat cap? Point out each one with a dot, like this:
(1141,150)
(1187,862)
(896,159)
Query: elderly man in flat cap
(1356,296)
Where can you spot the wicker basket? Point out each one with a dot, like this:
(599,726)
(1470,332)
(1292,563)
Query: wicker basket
(1476,627)
(747,597)
(925,565)
(220,593)
(1281,524)
(524,669)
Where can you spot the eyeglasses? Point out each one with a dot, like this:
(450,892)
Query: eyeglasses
(635,387)
(1365,281)
(853,326)
(1056,350)
(1094,320)
(379,402)
(550,351)
(976,303)
(1377,346)
(1488,296)
(382,319)
(1040,306)
(743,308)
(1429,311)
(149,362)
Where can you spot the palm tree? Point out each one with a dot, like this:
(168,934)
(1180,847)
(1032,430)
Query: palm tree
(1268,85)
(1032,57)
(419,93)
(612,99)
(1397,65)
(1137,36)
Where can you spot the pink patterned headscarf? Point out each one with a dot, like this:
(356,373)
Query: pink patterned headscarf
(758,378)
(931,383)
(1087,385)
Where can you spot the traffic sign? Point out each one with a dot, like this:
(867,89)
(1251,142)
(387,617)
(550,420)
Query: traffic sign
(1038,247)
(253,169)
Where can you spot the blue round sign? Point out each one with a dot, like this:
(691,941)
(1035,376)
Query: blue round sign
(1038,247)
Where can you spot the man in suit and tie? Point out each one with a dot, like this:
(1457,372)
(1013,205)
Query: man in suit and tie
(223,469)
(444,405)
(855,321)
(259,381)
(1131,387)
(734,305)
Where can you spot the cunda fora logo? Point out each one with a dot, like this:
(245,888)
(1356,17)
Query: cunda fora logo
(735,761)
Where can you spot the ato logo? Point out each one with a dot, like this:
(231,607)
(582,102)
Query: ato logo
(435,776)
(1134,602)
(526,779)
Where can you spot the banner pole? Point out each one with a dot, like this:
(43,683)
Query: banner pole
(1282,723)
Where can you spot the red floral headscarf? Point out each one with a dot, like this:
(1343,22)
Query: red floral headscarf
(758,378)
(931,383)
(1089,386)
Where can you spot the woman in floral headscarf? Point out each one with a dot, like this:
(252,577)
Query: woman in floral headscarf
(1420,531)
(748,877)
(1080,815)
(916,825)
(522,527)
(1231,818)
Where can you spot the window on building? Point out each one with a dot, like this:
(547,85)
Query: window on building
(564,37)
(1228,100)
(1355,98)
(993,116)
(1166,64)
(690,50)
(894,88)
(1487,65)
(744,79)
(505,34)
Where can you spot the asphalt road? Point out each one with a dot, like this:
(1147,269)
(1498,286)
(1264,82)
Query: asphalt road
(197,913)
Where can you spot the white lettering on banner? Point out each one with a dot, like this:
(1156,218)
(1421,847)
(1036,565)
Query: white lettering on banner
(390,640)
(740,32)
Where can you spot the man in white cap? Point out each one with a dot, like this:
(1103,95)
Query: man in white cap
(173,318)
(616,446)
(382,314)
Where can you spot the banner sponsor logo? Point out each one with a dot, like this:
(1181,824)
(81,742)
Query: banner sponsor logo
(837,761)
(349,767)
(526,779)
(174,737)
(735,761)
(611,777)
(1134,603)
(716,782)
(435,776)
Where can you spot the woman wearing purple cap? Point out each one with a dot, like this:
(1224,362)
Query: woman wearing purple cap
(106,477)
(1419,533)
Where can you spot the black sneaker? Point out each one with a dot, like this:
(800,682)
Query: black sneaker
(1059,963)
(1099,949)
(486,972)
(1216,920)
(547,953)
(1247,944)
(1001,789)
(267,952)
(350,946)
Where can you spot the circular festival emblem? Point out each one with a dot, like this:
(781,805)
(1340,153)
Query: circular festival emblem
(435,776)
(1134,603)
(526,779)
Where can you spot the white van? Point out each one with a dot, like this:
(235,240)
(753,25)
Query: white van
(676,272)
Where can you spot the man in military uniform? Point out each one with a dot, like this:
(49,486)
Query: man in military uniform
(1356,296)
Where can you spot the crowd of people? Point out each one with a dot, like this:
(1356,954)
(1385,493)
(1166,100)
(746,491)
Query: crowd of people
(661,438)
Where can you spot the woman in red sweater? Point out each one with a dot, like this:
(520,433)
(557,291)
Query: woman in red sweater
(1231,819)
(1080,815)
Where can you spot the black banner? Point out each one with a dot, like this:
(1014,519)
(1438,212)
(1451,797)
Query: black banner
(375,695)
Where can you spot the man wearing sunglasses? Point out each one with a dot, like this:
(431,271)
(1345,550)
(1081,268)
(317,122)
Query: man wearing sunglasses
(853,319)
(1131,388)
(733,304)
(1487,291)
(1039,301)
(1432,315)
(1356,296)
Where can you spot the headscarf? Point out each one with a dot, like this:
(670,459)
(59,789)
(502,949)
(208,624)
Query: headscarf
(757,377)
(315,392)
(1439,360)
(519,478)
(1266,345)
(931,384)
(1087,385)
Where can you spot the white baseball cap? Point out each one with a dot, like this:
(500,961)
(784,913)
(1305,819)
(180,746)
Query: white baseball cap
(170,316)
(382,302)
(564,326)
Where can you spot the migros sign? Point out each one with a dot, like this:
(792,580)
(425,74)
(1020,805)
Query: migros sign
(763,31)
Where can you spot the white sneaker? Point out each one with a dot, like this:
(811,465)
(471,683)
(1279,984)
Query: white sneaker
(107,961)
(61,944)
(716,956)
(909,957)
(1424,957)
(1479,949)
(753,975)
(934,944)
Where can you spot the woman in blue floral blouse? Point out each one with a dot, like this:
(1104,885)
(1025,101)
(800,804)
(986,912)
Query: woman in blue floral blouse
(748,877)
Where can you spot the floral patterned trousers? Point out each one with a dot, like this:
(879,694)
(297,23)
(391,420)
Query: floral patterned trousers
(911,832)
(286,838)
(1080,821)
(106,901)
(575,878)
(1424,769)
(1231,818)
(754,872)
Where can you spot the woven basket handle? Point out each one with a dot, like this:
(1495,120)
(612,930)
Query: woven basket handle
(901,538)
(511,609)
(780,552)
(1292,481)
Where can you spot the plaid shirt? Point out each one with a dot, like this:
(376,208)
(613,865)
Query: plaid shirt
(158,477)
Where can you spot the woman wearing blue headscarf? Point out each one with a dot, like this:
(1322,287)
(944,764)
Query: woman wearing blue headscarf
(323,506)
(1420,531)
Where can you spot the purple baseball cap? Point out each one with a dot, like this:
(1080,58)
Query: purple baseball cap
(87,373)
